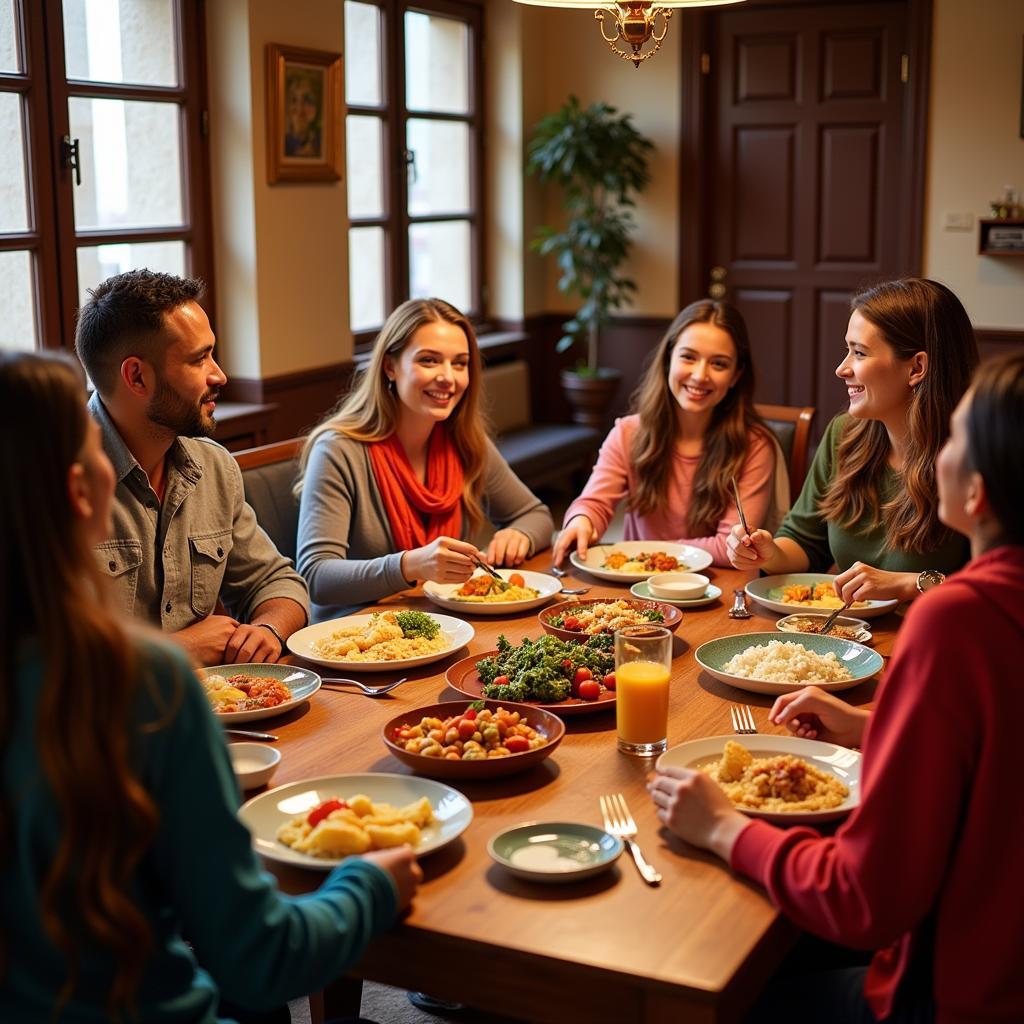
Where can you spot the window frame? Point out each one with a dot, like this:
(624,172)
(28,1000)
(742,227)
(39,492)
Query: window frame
(395,114)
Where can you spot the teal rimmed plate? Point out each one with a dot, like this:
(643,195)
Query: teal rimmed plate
(554,851)
(861,662)
(301,681)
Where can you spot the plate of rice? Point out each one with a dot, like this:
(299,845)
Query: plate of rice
(768,663)
(527,590)
(785,779)
(813,591)
(630,561)
(387,641)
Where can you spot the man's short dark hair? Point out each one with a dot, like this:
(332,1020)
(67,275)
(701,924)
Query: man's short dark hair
(124,317)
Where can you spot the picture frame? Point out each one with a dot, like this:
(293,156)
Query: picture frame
(304,103)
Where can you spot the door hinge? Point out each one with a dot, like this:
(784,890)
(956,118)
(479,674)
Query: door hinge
(905,68)
(705,63)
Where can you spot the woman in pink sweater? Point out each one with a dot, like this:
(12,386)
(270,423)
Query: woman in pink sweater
(927,870)
(694,430)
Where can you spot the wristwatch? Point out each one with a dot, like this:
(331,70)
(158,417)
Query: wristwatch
(280,639)
(928,579)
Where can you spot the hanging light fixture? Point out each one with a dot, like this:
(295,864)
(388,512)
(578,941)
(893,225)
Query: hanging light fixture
(633,22)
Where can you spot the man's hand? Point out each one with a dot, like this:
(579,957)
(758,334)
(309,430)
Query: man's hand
(252,643)
(207,639)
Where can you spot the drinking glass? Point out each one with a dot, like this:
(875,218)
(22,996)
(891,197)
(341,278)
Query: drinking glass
(643,662)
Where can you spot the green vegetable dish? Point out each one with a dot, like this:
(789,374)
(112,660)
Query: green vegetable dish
(417,624)
(543,670)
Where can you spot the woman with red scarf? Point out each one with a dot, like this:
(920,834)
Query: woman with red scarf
(402,475)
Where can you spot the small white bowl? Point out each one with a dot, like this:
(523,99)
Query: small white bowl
(679,586)
(254,763)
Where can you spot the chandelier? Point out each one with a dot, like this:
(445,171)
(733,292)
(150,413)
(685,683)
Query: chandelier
(633,22)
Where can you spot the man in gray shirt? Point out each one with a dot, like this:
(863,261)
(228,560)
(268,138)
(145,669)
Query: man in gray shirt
(185,545)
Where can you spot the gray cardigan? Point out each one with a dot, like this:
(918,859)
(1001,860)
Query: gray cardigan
(345,549)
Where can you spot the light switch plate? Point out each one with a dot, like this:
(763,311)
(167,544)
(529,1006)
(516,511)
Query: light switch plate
(958,221)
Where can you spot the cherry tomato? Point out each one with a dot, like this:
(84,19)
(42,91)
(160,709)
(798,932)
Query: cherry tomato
(516,580)
(323,810)
(609,681)
(466,728)
(470,713)
(583,674)
(590,689)
(567,665)
(571,623)
(501,681)
(516,744)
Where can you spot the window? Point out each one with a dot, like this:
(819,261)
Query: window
(413,137)
(102,167)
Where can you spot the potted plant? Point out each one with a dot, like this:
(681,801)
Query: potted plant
(599,161)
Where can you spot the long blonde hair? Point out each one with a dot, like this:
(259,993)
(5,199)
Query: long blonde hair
(52,597)
(912,315)
(369,412)
(726,441)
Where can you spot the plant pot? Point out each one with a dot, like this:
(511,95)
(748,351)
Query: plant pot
(590,395)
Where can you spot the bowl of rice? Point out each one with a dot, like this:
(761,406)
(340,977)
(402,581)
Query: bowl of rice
(766,663)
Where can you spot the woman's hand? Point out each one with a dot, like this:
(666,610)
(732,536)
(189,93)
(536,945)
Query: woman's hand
(816,715)
(400,863)
(750,551)
(508,547)
(444,560)
(693,806)
(866,583)
(579,531)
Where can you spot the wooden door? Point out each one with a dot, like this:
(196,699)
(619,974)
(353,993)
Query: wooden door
(807,131)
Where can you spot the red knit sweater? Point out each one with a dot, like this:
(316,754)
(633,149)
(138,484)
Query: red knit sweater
(931,865)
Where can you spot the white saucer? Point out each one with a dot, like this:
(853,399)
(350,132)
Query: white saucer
(641,589)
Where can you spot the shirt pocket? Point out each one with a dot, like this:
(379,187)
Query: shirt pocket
(120,561)
(208,553)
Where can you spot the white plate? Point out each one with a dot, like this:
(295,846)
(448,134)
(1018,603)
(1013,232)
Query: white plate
(841,762)
(713,593)
(691,559)
(441,594)
(263,815)
(301,681)
(459,634)
(765,592)
(785,624)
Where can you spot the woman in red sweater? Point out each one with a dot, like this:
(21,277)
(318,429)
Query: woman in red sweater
(926,871)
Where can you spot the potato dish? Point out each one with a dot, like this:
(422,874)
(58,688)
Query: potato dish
(656,561)
(339,828)
(604,617)
(244,693)
(384,638)
(821,595)
(485,589)
(779,782)
(475,735)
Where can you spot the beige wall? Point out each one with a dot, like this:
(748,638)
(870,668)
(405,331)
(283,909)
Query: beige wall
(974,150)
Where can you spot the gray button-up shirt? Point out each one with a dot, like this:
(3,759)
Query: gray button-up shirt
(170,563)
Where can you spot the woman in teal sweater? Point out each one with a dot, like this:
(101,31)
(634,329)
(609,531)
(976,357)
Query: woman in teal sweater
(118,834)
(870,503)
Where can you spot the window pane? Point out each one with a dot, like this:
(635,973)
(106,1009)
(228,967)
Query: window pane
(10,55)
(440,183)
(439,262)
(121,41)
(18,327)
(13,190)
(363,54)
(131,163)
(365,158)
(98,262)
(366,278)
(436,64)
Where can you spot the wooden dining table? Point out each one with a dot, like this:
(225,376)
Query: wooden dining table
(697,948)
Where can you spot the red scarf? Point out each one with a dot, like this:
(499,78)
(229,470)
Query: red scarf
(408,502)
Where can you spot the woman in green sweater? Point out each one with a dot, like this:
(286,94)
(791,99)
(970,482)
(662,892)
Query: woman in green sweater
(870,504)
(118,833)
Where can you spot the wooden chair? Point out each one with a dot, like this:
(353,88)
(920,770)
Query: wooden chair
(268,473)
(791,425)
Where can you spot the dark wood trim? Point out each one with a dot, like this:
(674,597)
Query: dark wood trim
(107,236)
(268,454)
(915,141)
(998,341)
(128,91)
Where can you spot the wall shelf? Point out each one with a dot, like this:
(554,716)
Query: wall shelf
(1006,242)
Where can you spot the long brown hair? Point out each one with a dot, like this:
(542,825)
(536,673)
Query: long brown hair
(726,440)
(369,412)
(52,601)
(912,315)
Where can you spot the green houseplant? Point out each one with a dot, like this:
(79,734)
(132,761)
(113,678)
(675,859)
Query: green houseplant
(598,160)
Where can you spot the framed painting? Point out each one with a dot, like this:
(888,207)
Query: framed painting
(304,100)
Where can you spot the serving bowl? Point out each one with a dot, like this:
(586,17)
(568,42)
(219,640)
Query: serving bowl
(679,586)
(254,763)
(544,722)
(672,616)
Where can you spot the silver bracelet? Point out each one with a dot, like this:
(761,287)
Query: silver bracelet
(275,631)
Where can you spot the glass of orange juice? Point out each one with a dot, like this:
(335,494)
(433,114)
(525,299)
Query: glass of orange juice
(643,661)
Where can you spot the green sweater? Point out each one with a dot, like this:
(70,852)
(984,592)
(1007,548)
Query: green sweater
(826,543)
(200,881)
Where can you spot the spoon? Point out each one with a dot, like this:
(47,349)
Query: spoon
(372,691)
(556,571)
(574,590)
(830,621)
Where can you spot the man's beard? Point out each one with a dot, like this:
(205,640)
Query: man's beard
(168,409)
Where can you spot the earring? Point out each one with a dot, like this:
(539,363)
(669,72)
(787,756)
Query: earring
(392,387)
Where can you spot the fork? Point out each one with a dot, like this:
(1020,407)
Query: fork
(743,720)
(372,691)
(503,584)
(830,621)
(619,822)
(558,571)
(739,605)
